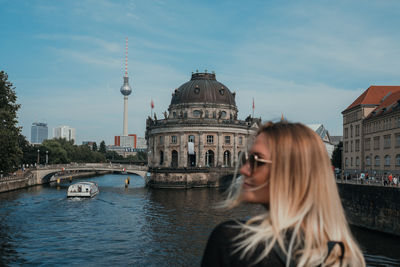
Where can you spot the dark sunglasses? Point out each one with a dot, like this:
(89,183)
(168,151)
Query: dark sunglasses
(254,161)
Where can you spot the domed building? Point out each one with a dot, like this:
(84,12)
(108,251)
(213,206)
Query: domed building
(200,138)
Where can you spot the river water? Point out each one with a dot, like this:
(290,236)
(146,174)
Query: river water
(135,226)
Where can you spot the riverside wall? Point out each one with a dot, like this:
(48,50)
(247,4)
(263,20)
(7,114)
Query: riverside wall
(186,178)
(372,206)
(30,178)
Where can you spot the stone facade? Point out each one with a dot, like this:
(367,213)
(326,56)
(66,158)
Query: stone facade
(372,207)
(371,133)
(200,138)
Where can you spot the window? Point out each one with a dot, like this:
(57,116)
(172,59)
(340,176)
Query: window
(387,160)
(351,161)
(240,140)
(386,141)
(376,142)
(174,139)
(377,161)
(174,158)
(191,138)
(161,140)
(346,146)
(351,146)
(346,162)
(397,140)
(227,139)
(357,161)
(357,145)
(368,161)
(367,143)
(346,132)
(227,158)
(174,114)
(206,115)
(357,130)
(397,160)
(210,158)
(197,113)
(222,114)
(351,131)
(161,157)
(398,122)
(210,139)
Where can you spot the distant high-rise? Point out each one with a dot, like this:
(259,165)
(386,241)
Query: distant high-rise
(39,132)
(64,132)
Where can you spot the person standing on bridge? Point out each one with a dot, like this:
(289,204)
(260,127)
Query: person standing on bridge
(288,171)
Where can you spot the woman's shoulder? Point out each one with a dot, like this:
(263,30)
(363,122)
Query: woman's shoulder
(222,245)
(228,228)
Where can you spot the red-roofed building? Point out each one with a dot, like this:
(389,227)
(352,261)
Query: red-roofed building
(371,132)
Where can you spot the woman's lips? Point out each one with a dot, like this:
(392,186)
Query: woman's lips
(247,185)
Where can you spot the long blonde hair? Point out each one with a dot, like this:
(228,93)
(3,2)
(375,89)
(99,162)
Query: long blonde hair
(304,202)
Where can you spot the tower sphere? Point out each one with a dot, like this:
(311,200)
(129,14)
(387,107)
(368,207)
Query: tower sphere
(125,88)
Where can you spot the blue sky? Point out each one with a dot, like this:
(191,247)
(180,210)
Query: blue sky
(306,59)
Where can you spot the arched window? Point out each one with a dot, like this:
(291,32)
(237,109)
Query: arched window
(174,158)
(161,157)
(227,158)
(196,113)
(398,160)
(191,160)
(210,158)
(377,161)
(368,161)
(387,160)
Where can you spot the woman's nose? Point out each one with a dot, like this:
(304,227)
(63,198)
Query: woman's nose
(245,169)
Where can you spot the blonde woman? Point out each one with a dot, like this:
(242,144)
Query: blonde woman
(289,172)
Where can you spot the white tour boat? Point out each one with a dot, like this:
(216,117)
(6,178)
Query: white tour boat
(83,189)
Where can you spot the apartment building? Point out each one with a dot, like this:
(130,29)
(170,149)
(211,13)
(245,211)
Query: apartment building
(371,132)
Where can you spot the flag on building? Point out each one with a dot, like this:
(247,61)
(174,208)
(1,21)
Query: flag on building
(152,104)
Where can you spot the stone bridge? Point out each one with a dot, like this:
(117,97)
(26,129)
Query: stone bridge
(45,174)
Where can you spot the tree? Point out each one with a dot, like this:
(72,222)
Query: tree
(10,153)
(102,148)
(57,151)
(94,147)
(29,152)
(337,156)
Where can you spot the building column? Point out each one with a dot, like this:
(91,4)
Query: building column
(234,156)
(200,158)
(182,151)
(167,161)
(154,150)
(220,152)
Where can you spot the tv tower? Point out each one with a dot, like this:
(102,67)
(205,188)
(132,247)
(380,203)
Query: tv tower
(126,90)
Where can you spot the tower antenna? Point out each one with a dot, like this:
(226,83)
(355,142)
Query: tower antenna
(126,57)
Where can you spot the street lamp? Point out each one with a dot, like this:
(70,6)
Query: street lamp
(47,157)
(38,157)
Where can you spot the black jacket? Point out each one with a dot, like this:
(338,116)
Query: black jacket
(220,247)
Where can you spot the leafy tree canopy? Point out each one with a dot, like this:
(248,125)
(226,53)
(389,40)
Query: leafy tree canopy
(102,148)
(10,152)
(337,156)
